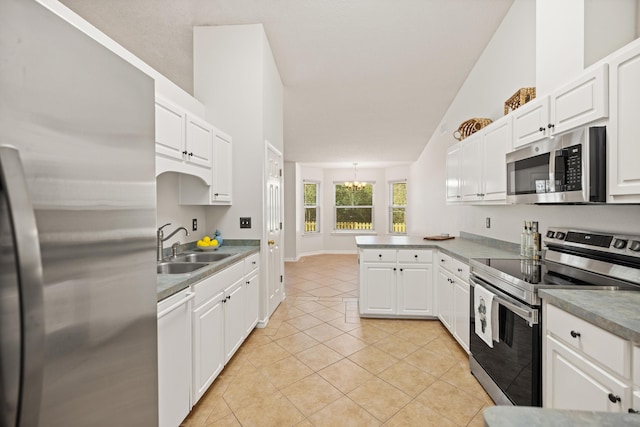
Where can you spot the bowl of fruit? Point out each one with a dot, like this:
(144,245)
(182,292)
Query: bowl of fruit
(207,244)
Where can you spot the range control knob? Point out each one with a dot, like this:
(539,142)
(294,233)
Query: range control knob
(635,246)
(550,234)
(620,244)
(561,235)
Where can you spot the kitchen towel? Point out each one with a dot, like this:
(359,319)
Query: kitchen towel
(486,313)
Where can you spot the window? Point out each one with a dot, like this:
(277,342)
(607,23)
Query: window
(311,209)
(398,208)
(353,207)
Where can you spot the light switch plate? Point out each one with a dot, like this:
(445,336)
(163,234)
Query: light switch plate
(245,222)
(194,224)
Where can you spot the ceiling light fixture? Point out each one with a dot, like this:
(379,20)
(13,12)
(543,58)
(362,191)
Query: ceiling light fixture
(355,184)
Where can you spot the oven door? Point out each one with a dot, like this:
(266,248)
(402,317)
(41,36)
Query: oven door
(511,371)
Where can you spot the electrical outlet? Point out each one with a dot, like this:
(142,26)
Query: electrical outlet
(245,222)
(487,222)
(194,224)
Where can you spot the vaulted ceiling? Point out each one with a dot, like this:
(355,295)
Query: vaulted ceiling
(364,80)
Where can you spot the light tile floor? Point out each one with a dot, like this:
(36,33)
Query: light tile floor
(317,363)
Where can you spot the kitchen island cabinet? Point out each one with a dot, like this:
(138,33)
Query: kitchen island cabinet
(396,283)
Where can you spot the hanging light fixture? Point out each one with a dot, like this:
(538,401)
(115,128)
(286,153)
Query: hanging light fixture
(355,184)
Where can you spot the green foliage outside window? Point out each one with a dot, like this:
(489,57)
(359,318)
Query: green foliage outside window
(354,208)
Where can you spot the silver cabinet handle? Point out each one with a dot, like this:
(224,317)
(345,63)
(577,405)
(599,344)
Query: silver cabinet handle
(29,269)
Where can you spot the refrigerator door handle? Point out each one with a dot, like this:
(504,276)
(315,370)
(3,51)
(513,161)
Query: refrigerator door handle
(30,278)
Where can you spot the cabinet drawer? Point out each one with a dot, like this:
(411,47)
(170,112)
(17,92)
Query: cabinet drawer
(460,269)
(604,347)
(210,286)
(251,263)
(445,261)
(380,255)
(419,256)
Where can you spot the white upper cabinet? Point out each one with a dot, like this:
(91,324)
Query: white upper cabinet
(184,142)
(222,168)
(483,169)
(530,122)
(583,101)
(624,144)
(471,168)
(496,143)
(454,156)
(199,141)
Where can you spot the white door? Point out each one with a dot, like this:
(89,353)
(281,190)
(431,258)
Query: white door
(415,289)
(273,227)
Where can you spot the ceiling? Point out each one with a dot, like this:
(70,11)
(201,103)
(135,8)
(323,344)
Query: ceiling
(365,81)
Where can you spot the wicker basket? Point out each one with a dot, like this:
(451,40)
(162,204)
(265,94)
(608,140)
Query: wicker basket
(519,98)
(469,127)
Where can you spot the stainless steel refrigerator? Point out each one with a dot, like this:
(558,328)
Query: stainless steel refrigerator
(77,228)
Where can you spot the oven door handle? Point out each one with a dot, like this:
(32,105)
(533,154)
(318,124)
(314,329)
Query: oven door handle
(527,313)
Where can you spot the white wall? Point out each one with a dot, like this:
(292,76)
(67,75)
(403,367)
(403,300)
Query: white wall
(290,214)
(244,99)
(169,210)
(327,241)
(483,95)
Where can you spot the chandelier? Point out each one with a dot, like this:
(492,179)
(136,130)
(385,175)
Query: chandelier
(355,184)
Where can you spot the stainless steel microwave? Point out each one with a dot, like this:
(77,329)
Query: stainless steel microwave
(566,169)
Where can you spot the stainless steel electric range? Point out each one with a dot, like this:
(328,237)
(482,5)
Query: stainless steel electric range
(511,369)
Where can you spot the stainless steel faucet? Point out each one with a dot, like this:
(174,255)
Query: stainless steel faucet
(160,238)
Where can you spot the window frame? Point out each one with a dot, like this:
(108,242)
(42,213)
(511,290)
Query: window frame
(372,230)
(316,206)
(393,206)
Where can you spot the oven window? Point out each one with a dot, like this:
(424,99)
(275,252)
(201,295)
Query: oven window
(515,362)
(529,176)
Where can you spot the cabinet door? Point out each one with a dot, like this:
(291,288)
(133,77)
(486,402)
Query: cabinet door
(378,289)
(252,294)
(461,312)
(208,348)
(580,102)
(624,144)
(453,173)
(445,295)
(530,122)
(572,382)
(169,129)
(234,318)
(494,170)
(415,289)
(174,359)
(199,145)
(222,168)
(471,168)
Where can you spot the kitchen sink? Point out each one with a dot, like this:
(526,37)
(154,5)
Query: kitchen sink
(179,267)
(200,257)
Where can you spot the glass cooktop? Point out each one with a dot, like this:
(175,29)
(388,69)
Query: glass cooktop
(530,271)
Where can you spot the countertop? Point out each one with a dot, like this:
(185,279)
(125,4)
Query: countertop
(169,284)
(509,416)
(462,248)
(614,311)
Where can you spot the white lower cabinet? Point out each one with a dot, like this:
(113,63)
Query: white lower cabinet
(174,358)
(208,336)
(584,366)
(225,312)
(396,283)
(234,331)
(453,294)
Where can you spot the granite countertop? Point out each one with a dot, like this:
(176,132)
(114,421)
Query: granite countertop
(464,248)
(613,311)
(509,416)
(170,284)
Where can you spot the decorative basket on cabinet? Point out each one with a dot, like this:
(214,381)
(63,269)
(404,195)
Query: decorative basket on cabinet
(518,99)
(469,127)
